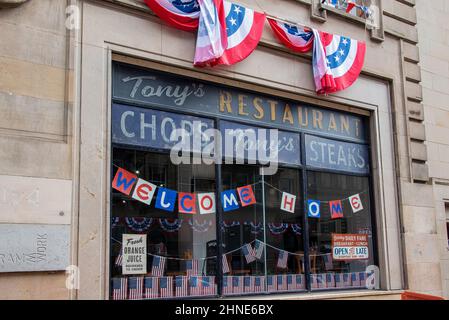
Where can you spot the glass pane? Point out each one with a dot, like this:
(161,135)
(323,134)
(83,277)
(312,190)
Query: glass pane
(281,231)
(182,245)
(284,234)
(328,270)
(242,272)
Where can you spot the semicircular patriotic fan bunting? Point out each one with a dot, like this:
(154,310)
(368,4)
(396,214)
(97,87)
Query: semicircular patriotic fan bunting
(244,29)
(294,37)
(181,14)
(337,62)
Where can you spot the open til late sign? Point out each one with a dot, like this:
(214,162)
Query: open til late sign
(350,247)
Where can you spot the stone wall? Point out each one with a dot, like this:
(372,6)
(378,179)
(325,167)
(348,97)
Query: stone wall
(35,129)
(434,52)
(38,124)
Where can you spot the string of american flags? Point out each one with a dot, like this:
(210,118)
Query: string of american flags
(251,254)
(179,286)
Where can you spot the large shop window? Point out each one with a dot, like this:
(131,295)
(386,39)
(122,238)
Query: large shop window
(208,230)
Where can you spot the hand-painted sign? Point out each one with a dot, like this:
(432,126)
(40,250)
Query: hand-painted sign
(356,203)
(350,247)
(336,209)
(151,128)
(187,203)
(134,251)
(335,155)
(131,84)
(144,191)
(314,209)
(288,202)
(258,144)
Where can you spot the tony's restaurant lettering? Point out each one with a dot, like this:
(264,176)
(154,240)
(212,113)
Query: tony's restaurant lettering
(163,90)
(275,111)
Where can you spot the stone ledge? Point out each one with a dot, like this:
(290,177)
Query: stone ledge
(11,3)
(338,295)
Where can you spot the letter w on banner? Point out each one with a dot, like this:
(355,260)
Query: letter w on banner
(212,40)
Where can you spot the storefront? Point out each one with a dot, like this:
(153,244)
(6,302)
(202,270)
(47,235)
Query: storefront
(222,228)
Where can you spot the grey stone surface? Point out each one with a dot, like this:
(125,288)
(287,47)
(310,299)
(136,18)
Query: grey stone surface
(34,247)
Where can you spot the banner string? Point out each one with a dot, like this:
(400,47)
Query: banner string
(273,187)
(284,20)
(232,251)
(344,199)
(184,259)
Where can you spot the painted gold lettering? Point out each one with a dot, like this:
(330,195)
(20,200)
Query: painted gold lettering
(344,120)
(332,123)
(242,105)
(258,105)
(273,105)
(357,124)
(225,101)
(317,119)
(288,114)
(303,118)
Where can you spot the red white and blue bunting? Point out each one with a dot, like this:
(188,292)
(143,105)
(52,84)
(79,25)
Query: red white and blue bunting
(277,229)
(256,228)
(228,33)
(139,224)
(180,14)
(170,225)
(200,227)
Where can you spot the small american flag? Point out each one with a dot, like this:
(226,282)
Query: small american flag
(158,267)
(195,286)
(166,285)
(237,285)
(328,263)
(346,280)
(291,283)
(338,280)
(271,283)
(181,285)
(321,281)
(259,283)
(355,279)
(282,259)
(227,284)
(330,280)
(249,253)
(300,281)
(282,282)
(119,260)
(208,284)
(119,288)
(159,248)
(135,288)
(314,281)
(225,264)
(151,287)
(363,276)
(258,248)
(248,284)
(192,267)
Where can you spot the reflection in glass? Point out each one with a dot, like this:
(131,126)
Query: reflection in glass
(325,271)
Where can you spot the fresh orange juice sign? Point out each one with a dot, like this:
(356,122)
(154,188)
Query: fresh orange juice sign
(350,247)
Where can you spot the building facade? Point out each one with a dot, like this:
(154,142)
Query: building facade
(90,87)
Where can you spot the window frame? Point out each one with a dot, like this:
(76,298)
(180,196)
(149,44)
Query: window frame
(304,169)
